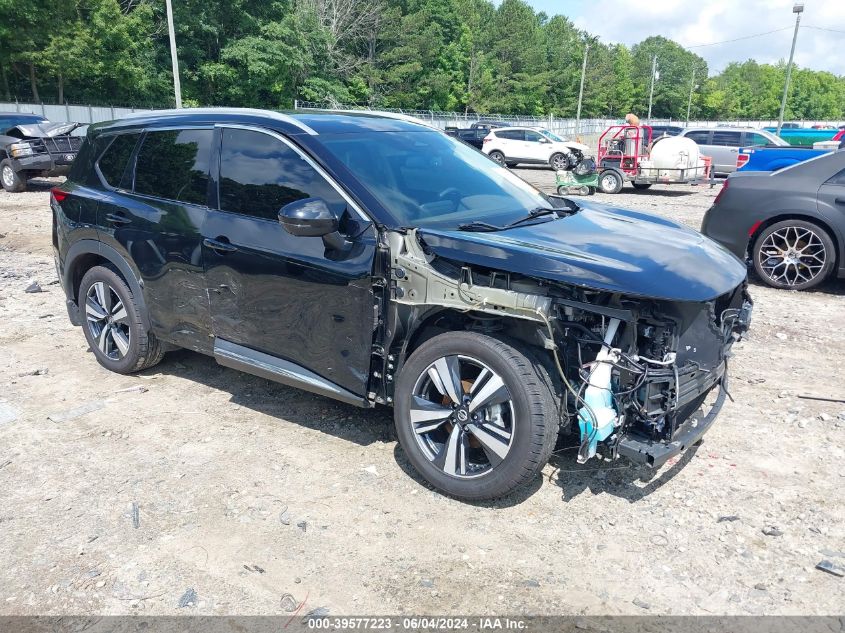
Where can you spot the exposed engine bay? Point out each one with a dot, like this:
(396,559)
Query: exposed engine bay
(630,372)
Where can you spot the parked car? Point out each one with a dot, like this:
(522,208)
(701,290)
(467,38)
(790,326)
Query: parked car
(790,223)
(475,134)
(665,130)
(773,157)
(722,144)
(40,148)
(372,259)
(532,145)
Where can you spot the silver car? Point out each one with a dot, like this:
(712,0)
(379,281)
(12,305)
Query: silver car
(722,143)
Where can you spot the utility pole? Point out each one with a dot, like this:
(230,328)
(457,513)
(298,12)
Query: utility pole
(581,89)
(651,93)
(798,9)
(177,88)
(691,88)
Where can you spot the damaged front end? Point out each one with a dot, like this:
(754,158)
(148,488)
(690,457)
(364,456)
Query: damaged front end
(632,374)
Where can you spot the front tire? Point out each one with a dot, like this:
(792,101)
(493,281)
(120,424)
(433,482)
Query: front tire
(610,181)
(10,179)
(794,255)
(559,161)
(475,415)
(112,323)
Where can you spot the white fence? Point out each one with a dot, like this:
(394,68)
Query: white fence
(76,113)
(566,127)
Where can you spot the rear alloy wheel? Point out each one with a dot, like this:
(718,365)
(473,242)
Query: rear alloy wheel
(10,179)
(559,162)
(794,254)
(113,325)
(475,416)
(610,181)
(498,157)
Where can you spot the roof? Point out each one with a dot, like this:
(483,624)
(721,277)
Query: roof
(298,122)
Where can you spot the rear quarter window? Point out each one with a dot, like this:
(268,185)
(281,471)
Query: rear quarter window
(113,162)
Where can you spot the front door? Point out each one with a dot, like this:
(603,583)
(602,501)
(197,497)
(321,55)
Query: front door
(831,204)
(536,147)
(290,297)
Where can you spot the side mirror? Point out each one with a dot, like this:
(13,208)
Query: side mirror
(309,217)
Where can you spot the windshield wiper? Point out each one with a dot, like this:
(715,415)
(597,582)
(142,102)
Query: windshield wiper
(534,213)
(480,226)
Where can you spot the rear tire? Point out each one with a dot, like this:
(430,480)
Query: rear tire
(111,320)
(10,179)
(610,181)
(500,435)
(793,255)
(498,157)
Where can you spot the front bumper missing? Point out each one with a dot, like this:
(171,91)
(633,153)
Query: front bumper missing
(655,453)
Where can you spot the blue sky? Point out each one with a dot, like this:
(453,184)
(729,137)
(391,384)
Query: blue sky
(692,23)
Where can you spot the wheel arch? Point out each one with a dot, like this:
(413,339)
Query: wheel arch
(84,255)
(804,217)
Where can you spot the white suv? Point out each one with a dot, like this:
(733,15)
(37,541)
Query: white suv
(514,145)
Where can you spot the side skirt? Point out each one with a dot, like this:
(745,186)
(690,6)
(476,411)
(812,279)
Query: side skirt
(273,368)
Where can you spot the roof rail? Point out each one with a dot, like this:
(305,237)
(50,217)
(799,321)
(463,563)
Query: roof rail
(390,115)
(279,116)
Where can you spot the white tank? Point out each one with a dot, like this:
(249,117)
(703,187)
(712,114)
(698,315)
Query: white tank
(672,153)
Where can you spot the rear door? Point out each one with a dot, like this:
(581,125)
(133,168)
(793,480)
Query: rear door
(511,143)
(831,200)
(288,297)
(152,217)
(724,147)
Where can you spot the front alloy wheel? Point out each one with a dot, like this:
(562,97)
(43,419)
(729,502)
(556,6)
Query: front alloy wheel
(476,415)
(462,416)
(794,254)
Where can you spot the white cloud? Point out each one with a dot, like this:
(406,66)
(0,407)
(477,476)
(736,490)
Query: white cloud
(692,24)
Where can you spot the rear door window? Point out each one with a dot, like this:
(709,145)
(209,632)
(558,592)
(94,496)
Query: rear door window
(702,137)
(113,162)
(173,165)
(727,139)
(511,135)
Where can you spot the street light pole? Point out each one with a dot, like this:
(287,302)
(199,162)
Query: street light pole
(177,88)
(581,89)
(691,88)
(651,93)
(798,9)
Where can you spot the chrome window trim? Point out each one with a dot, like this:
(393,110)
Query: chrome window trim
(279,116)
(304,156)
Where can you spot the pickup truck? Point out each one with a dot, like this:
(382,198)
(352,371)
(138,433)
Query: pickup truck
(773,157)
(475,133)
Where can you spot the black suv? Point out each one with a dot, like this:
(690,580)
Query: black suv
(372,259)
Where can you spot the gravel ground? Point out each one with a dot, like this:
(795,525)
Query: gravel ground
(192,488)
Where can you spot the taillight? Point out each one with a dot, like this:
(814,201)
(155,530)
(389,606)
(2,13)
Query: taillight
(741,159)
(485,140)
(58,194)
(721,192)
(839,136)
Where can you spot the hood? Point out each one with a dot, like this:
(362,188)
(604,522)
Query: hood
(603,248)
(584,149)
(45,130)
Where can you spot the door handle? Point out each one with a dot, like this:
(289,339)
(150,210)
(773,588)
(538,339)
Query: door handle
(220,247)
(117,218)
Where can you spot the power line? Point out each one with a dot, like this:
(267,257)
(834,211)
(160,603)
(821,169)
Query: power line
(821,28)
(745,37)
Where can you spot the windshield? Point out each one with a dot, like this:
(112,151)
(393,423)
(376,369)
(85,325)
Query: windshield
(551,136)
(428,179)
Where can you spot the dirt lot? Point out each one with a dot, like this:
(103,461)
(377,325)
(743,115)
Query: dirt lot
(195,489)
